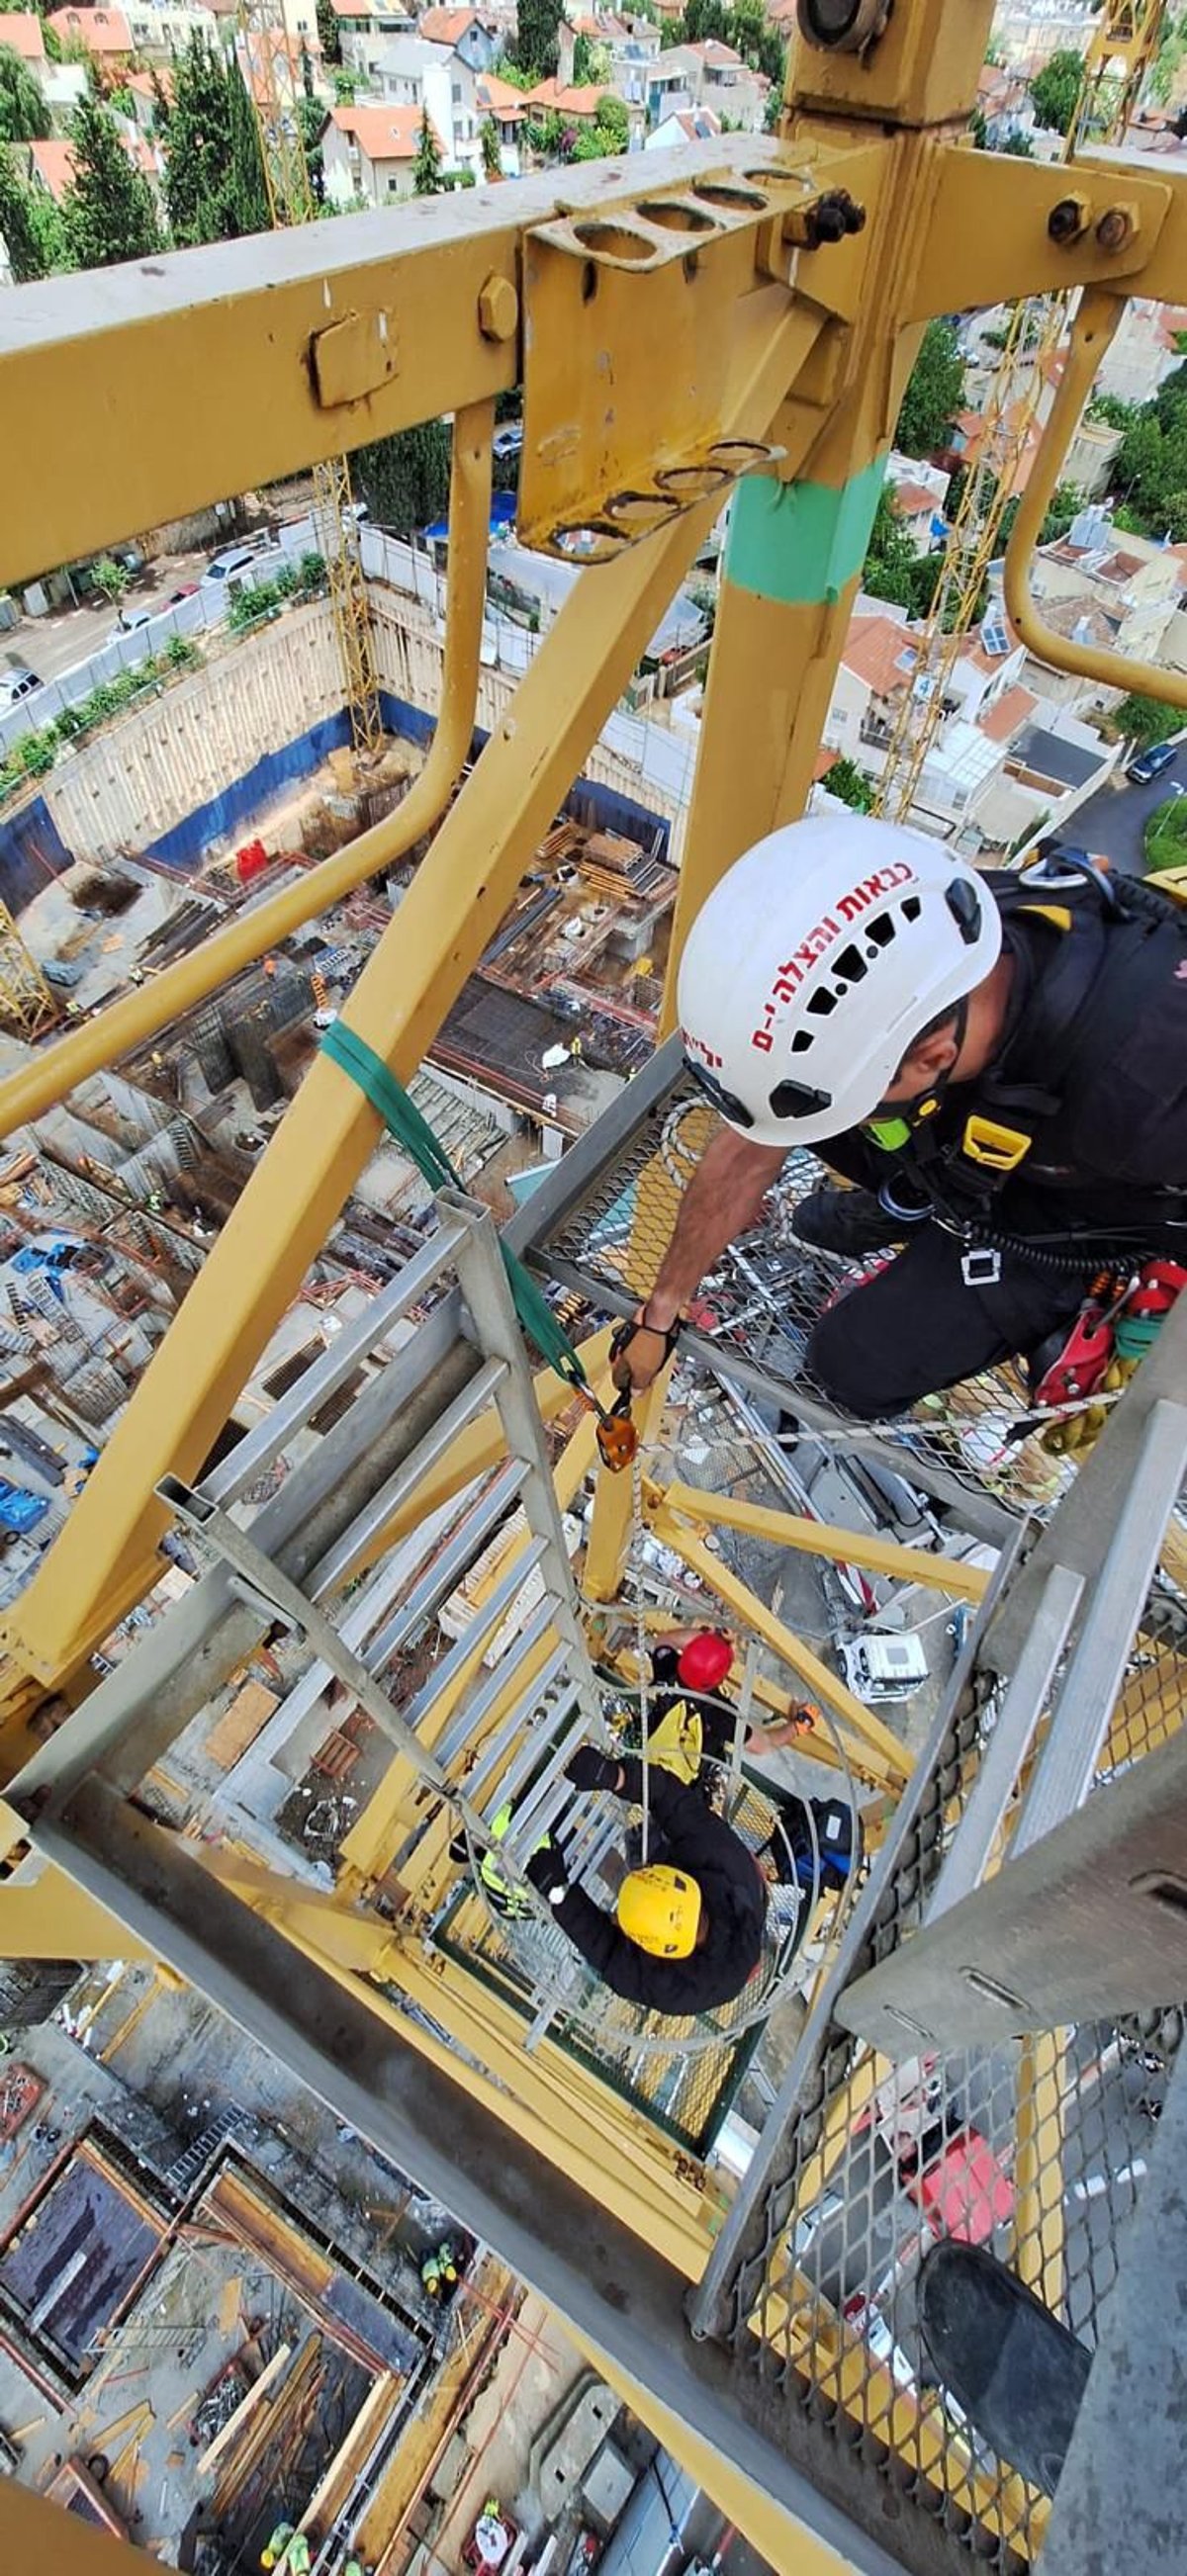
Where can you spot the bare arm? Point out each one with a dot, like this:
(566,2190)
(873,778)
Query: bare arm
(722,1201)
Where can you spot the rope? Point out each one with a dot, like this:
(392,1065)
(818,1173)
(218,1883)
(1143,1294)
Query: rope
(412,1131)
(641,1649)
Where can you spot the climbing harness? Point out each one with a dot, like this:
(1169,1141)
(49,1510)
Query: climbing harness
(411,1130)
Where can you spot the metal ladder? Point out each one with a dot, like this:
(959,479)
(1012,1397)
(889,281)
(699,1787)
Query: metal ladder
(522,1761)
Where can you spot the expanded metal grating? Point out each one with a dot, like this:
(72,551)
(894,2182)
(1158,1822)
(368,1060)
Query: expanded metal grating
(1035,2148)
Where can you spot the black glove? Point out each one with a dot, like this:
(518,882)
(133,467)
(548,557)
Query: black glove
(547,1872)
(589,1769)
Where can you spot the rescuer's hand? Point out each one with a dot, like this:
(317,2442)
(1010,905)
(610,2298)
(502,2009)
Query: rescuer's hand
(547,1872)
(589,1769)
(639,1350)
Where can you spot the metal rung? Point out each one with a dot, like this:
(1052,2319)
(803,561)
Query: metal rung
(539,1731)
(226,1482)
(525,1707)
(473,1400)
(546,1800)
(484,1624)
(453,1561)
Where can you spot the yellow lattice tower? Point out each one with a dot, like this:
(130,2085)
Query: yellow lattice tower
(1119,55)
(273,75)
(26,1002)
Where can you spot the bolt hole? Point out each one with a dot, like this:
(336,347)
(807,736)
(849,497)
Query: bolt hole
(616,242)
(676,215)
(716,193)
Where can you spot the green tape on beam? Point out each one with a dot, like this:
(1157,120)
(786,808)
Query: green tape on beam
(799,543)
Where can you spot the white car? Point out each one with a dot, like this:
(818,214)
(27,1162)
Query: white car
(234,559)
(17,682)
(883,1666)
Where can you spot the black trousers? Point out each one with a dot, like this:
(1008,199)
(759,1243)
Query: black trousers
(916,1327)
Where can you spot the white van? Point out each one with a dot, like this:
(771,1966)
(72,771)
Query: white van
(883,1666)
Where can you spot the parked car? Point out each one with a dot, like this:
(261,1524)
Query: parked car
(17,682)
(1150,764)
(508,440)
(129,622)
(882,1666)
(232,560)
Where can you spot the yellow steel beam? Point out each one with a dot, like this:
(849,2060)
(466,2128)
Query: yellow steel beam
(231,366)
(1038,2230)
(828,1539)
(746,1606)
(40,2534)
(50,1917)
(986,237)
(146,1008)
(103,1559)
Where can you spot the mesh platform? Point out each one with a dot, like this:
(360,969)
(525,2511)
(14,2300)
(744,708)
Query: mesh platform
(1037,2149)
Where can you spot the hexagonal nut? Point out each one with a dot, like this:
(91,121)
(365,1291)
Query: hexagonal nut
(1069,219)
(1118,227)
(498,309)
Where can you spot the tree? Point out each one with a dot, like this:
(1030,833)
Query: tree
(492,158)
(110,577)
(1055,90)
(536,48)
(1165,835)
(109,213)
(933,395)
(24,116)
(1067,501)
(892,569)
(329,32)
(214,174)
(1018,144)
(609,133)
(854,786)
(30,225)
(405,480)
(426,176)
(1145,720)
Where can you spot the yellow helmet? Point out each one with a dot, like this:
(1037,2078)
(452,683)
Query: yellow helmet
(660,1910)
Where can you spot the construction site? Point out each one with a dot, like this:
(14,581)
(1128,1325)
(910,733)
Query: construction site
(354,2221)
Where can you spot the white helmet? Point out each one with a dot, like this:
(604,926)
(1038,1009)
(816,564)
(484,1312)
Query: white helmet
(817,960)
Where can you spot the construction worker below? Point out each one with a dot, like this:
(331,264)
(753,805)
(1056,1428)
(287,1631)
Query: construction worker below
(996,1063)
(691,1725)
(687,1931)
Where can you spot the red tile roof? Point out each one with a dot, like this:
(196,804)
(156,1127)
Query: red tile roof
(501,98)
(383,133)
(1008,713)
(911,498)
(446,26)
(102,31)
(21,30)
(567,102)
(53,163)
(873,649)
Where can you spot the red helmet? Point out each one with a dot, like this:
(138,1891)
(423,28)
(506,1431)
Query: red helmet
(705,1661)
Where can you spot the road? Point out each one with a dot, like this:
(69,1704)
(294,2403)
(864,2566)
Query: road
(1113,820)
(53,644)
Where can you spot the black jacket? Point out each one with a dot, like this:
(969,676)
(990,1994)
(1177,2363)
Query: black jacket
(1115,1136)
(733,1899)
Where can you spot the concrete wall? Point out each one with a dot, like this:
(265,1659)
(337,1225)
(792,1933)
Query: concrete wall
(143,775)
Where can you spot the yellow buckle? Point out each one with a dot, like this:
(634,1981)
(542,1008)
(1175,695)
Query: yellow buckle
(997,1149)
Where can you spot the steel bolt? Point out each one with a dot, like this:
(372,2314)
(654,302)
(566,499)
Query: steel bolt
(1117,228)
(1068,219)
(498,309)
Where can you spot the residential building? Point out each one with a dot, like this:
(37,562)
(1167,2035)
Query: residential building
(508,109)
(573,106)
(157,28)
(683,125)
(475,38)
(1143,351)
(405,71)
(708,75)
(370,152)
(51,163)
(1027,32)
(144,87)
(919,493)
(370,18)
(105,33)
(62,84)
(631,45)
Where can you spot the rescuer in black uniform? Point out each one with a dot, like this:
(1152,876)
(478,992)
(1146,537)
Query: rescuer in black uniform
(999,1062)
(686,1934)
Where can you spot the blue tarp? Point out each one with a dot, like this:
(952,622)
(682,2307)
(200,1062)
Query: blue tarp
(31,849)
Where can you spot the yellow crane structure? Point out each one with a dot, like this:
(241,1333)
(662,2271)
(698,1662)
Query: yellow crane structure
(737,316)
(27,1005)
(266,47)
(1120,51)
